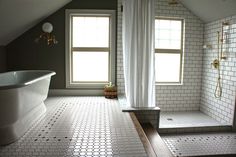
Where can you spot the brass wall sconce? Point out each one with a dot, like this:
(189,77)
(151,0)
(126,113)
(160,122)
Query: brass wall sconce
(47,35)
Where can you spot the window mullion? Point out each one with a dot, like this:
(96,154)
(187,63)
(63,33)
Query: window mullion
(168,51)
(91,49)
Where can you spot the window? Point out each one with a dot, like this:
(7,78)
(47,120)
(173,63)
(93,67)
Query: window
(168,50)
(90,50)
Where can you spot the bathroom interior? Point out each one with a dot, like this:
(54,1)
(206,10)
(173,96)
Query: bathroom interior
(195,85)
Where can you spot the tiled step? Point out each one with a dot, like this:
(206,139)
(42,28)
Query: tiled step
(158,145)
(196,129)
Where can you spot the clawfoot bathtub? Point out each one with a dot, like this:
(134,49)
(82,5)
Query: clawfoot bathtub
(22,95)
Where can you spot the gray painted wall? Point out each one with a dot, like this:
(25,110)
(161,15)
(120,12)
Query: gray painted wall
(15,23)
(2,59)
(24,53)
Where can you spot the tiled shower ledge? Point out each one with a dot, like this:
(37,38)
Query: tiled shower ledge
(189,121)
(79,126)
(125,108)
(143,114)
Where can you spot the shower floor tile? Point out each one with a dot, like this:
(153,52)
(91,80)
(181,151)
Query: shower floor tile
(201,144)
(187,119)
(79,126)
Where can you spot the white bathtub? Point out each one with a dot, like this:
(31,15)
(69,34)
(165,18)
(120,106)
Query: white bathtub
(22,95)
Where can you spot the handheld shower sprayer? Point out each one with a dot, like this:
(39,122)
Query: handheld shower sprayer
(216,63)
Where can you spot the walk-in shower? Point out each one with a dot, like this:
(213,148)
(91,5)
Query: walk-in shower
(217,100)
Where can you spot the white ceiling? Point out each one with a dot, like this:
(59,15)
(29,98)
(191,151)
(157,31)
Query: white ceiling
(17,16)
(210,10)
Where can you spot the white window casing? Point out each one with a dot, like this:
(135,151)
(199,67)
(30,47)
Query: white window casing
(83,51)
(168,48)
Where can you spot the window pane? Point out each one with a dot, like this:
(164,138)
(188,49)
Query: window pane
(168,34)
(164,34)
(175,25)
(175,35)
(167,67)
(163,43)
(90,66)
(90,31)
(164,24)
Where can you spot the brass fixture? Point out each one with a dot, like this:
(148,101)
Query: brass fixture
(173,2)
(222,39)
(216,64)
(222,55)
(47,35)
(207,46)
(218,89)
(225,39)
(226,23)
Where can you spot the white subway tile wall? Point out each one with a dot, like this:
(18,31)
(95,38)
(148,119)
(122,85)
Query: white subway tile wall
(174,97)
(120,69)
(220,109)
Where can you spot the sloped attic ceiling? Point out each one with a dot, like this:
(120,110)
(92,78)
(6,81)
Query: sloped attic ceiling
(17,16)
(211,10)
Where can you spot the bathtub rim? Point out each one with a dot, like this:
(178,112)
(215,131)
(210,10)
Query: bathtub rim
(48,73)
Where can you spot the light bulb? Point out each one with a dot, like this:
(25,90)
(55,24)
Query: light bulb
(47,27)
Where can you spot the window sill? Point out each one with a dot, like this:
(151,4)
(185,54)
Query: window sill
(86,85)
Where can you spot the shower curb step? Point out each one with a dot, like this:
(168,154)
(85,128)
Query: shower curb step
(197,129)
(156,141)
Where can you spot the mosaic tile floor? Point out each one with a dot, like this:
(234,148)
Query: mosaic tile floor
(201,144)
(79,126)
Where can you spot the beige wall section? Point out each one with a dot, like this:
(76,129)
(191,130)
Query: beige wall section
(24,53)
(2,59)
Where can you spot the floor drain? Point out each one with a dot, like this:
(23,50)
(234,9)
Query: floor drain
(169,119)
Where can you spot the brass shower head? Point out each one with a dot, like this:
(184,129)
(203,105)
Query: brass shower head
(226,23)
(173,2)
